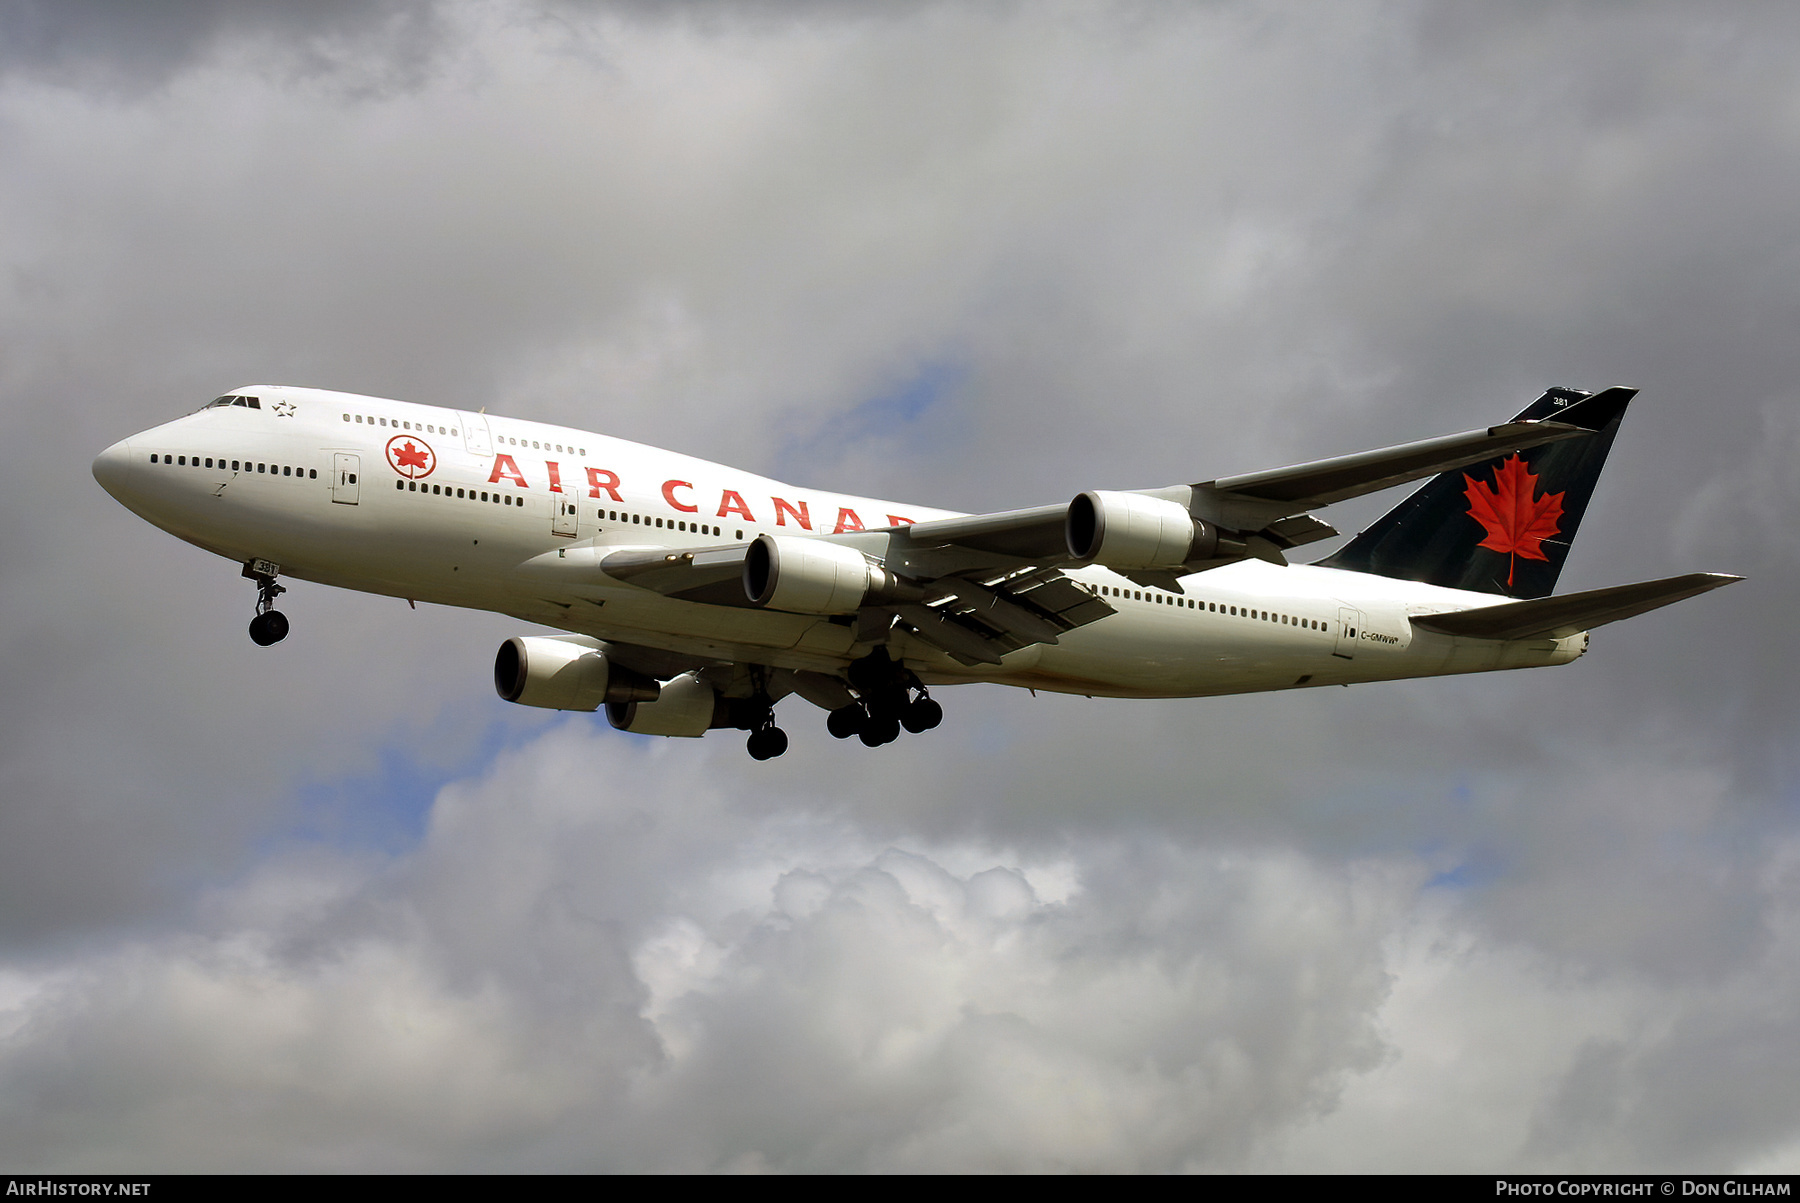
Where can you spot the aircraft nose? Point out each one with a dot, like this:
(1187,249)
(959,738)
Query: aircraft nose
(112,468)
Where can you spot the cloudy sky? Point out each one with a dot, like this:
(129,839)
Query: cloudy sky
(333,905)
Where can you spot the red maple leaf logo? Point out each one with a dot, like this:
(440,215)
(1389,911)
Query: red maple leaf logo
(1517,523)
(410,457)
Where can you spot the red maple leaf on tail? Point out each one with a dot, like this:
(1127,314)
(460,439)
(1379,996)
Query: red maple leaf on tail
(410,456)
(1517,523)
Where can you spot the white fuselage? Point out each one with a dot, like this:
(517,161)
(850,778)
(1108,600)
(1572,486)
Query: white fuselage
(438,505)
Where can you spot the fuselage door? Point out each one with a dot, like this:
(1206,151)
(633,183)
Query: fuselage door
(562,514)
(1349,629)
(345,468)
(475,434)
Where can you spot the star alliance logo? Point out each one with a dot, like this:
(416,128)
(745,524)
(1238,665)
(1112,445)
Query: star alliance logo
(283,409)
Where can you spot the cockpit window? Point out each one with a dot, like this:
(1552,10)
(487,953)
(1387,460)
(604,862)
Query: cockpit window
(233,399)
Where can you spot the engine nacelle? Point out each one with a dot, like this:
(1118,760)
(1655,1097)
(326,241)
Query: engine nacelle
(565,672)
(687,707)
(1130,531)
(807,576)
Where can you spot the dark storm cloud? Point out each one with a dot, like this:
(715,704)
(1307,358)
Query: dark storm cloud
(114,46)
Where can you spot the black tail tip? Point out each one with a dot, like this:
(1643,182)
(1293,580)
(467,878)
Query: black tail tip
(1597,411)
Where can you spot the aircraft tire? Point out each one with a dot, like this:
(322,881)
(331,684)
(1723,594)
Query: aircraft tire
(844,721)
(268,628)
(887,704)
(767,743)
(878,731)
(922,715)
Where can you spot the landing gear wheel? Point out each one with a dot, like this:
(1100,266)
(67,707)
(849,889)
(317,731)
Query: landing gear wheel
(268,627)
(922,715)
(886,704)
(878,731)
(845,721)
(767,743)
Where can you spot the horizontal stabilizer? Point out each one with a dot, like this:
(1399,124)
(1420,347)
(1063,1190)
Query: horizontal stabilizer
(1555,617)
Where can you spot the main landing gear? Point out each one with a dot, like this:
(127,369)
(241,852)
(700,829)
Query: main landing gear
(886,705)
(270,625)
(757,716)
(766,743)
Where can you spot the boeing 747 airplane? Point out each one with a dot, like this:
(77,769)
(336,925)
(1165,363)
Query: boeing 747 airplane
(695,596)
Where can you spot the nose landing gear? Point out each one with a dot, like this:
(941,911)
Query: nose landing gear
(270,625)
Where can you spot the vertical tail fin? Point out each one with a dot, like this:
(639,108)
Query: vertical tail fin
(1503,526)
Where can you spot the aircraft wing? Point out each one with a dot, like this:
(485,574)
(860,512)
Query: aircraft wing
(975,615)
(981,585)
(1555,617)
(713,576)
(1322,482)
(1267,510)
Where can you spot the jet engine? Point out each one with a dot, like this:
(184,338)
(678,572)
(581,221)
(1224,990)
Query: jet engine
(1131,531)
(813,576)
(686,707)
(565,672)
